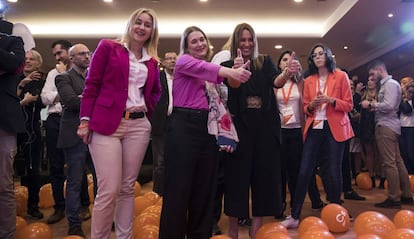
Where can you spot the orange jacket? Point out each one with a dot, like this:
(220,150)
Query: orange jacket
(338,120)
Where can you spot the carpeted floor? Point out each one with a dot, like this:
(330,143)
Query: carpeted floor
(354,208)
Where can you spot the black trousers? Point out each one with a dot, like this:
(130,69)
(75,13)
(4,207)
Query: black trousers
(190,173)
(255,167)
(56,159)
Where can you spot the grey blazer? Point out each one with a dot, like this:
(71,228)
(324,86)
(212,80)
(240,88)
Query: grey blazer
(70,85)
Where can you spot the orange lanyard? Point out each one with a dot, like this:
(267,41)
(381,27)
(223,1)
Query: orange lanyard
(286,98)
(324,88)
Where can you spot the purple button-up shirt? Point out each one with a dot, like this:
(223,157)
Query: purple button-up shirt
(190,74)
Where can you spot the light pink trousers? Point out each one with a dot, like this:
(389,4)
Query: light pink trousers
(117,159)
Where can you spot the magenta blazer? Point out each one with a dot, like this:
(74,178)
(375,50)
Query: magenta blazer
(106,87)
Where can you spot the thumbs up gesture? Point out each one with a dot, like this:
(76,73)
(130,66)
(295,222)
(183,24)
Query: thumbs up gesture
(238,61)
(293,66)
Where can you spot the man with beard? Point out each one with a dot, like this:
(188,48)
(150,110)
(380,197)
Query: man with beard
(70,86)
(387,132)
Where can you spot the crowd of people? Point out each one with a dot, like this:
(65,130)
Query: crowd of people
(239,126)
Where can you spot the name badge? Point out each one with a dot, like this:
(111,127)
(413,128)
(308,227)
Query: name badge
(288,116)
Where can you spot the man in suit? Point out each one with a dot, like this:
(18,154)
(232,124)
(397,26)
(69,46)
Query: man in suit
(159,121)
(70,86)
(12,57)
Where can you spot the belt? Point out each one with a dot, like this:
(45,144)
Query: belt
(133,115)
(191,111)
(254,102)
(55,114)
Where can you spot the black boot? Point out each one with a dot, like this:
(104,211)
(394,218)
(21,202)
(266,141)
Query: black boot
(373,182)
(381,185)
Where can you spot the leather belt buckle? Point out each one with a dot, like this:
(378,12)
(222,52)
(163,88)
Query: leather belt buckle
(126,115)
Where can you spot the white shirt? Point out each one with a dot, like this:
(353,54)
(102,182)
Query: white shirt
(293,102)
(170,96)
(49,93)
(407,120)
(138,74)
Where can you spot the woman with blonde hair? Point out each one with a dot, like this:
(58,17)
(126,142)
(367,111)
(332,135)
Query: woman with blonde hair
(28,90)
(121,90)
(367,134)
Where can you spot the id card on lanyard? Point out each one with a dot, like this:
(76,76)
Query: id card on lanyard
(287,111)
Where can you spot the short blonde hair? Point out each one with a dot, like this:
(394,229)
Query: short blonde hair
(152,43)
(37,56)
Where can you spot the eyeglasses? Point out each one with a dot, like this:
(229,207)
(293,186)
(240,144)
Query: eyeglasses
(83,53)
(321,53)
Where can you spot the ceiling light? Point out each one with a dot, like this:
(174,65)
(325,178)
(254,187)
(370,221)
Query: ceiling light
(390,15)
(203,0)
(107,0)
(278,46)
(12,0)
(298,0)
(345,47)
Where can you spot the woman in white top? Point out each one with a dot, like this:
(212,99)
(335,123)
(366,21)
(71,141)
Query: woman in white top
(292,118)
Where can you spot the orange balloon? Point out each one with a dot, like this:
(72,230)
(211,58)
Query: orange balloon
(64,189)
(336,218)
(268,228)
(36,230)
(21,194)
(20,223)
(311,221)
(411,177)
(401,233)
(371,222)
(137,188)
(404,219)
(46,199)
(90,178)
(317,234)
(220,237)
(141,203)
(147,232)
(91,193)
(369,236)
(159,203)
(153,196)
(147,219)
(73,237)
(319,183)
(277,235)
(363,181)
(156,209)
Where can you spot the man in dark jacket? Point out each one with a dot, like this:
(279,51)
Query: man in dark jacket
(12,57)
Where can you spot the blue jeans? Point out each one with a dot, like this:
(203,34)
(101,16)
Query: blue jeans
(75,158)
(330,167)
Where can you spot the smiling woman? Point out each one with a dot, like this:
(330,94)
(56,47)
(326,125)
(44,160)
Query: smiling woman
(121,90)
(191,152)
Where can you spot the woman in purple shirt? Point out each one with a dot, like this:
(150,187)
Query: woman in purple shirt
(191,153)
